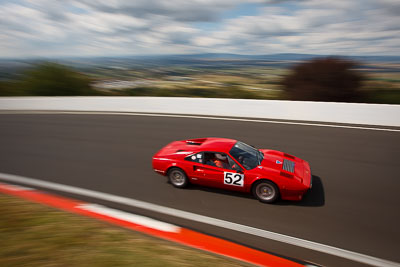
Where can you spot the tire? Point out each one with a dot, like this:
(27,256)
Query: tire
(266,191)
(177,177)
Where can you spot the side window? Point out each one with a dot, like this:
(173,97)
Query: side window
(233,165)
(220,160)
(209,158)
(195,157)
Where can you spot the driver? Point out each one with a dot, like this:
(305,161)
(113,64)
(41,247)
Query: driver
(221,161)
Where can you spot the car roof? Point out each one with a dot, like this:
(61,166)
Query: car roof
(211,144)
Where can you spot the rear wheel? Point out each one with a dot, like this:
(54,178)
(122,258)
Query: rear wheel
(266,191)
(177,178)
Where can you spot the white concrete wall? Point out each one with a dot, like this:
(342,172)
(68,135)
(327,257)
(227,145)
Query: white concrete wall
(370,114)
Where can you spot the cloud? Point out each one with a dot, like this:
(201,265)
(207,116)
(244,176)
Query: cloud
(321,27)
(118,27)
(179,10)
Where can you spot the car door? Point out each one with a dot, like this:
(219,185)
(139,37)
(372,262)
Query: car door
(234,176)
(228,176)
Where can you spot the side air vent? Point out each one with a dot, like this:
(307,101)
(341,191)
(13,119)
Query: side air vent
(288,165)
(286,155)
(287,175)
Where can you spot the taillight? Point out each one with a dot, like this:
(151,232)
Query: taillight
(286,155)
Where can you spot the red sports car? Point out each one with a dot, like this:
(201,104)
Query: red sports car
(234,165)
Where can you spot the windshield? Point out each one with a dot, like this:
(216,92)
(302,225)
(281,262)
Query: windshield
(246,155)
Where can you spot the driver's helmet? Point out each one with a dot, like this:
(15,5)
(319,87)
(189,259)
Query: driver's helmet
(220,156)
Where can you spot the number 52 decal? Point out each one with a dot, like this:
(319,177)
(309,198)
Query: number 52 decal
(233,178)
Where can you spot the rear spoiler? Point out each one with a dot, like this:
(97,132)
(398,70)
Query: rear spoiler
(196,142)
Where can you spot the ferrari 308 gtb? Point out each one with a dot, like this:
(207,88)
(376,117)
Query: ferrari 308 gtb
(234,165)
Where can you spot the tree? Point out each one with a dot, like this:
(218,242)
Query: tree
(51,79)
(324,79)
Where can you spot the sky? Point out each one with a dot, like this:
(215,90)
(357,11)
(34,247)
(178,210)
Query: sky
(55,28)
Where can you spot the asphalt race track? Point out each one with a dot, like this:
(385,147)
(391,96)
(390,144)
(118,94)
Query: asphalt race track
(354,203)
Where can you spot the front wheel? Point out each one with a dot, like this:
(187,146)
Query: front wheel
(266,191)
(178,178)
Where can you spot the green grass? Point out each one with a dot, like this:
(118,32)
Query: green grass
(36,235)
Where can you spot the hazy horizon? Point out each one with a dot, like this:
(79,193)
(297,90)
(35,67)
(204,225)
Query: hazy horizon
(221,56)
